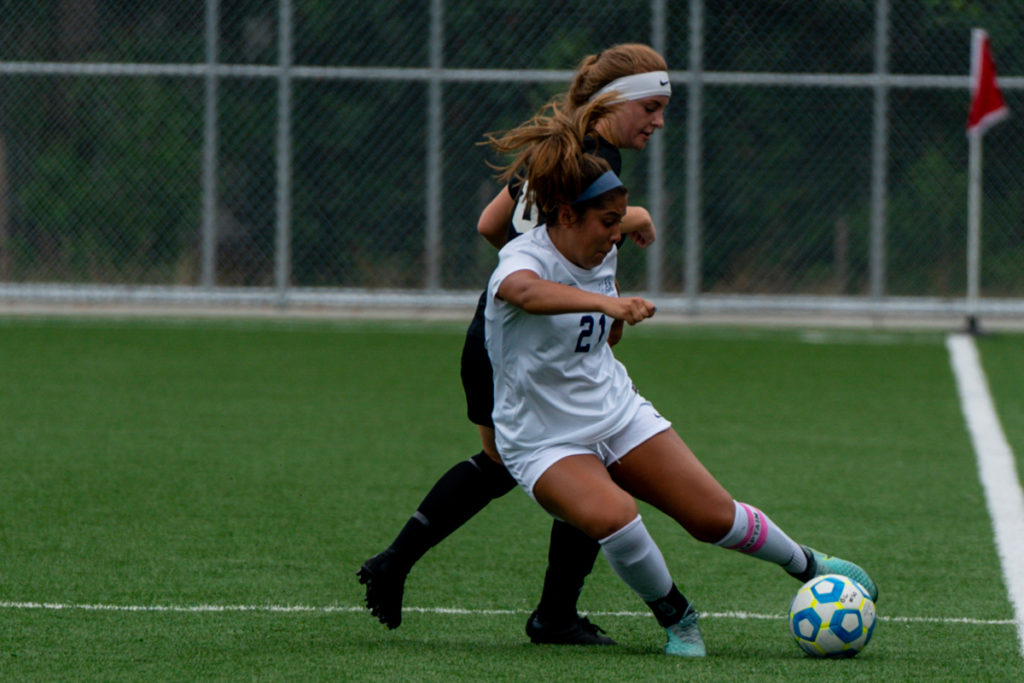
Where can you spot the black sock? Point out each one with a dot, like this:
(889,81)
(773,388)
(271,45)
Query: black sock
(571,555)
(671,608)
(812,567)
(458,495)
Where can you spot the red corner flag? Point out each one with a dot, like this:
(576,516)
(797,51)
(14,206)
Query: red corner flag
(987,105)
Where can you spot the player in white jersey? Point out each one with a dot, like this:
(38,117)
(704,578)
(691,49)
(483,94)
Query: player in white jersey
(570,426)
(471,484)
(582,367)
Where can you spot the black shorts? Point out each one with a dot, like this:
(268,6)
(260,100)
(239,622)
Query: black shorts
(477,381)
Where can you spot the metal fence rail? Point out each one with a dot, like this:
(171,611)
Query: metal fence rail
(300,154)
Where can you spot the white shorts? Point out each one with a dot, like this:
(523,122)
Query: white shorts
(528,467)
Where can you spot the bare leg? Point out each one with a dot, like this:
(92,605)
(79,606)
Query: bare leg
(664,472)
(488,444)
(580,490)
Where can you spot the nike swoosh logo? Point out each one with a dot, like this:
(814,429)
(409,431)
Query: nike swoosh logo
(663,82)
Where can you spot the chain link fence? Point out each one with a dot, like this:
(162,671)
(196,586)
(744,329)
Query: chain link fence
(299,152)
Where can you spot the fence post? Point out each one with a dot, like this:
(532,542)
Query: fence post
(208,249)
(282,270)
(695,102)
(434,170)
(656,165)
(879,152)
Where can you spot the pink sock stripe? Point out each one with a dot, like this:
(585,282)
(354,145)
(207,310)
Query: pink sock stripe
(757,531)
(750,527)
(762,525)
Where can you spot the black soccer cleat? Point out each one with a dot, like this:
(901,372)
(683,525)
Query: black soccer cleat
(384,578)
(579,631)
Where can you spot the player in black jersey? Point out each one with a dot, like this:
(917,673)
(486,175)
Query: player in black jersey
(638,75)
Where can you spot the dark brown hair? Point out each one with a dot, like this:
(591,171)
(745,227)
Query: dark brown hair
(549,154)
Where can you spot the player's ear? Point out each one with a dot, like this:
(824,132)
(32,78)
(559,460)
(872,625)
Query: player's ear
(566,214)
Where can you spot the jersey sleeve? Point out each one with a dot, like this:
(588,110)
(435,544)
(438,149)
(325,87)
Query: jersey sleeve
(525,216)
(511,260)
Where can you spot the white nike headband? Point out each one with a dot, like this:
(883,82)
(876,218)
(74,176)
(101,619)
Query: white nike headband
(639,86)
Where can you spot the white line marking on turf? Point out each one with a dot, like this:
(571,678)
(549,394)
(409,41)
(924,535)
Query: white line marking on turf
(332,609)
(996,468)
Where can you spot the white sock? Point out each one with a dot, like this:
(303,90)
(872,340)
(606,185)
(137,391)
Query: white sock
(634,556)
(753,533)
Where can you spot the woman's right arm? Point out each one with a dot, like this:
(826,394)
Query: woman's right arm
(493,222)
(528,291)
(637,223)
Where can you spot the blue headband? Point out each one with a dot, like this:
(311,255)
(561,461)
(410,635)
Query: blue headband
(606,181)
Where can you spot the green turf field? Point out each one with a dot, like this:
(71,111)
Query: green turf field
(191,500)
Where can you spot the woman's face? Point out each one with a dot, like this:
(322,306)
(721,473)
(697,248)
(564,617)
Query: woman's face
(592,235)
(632,123)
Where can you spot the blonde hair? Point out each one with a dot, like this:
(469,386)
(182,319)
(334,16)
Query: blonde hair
(550,155)
(598,70)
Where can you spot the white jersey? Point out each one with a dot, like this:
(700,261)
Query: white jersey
(556,380)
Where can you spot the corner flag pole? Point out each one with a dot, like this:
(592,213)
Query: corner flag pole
(973,230)
(987,109)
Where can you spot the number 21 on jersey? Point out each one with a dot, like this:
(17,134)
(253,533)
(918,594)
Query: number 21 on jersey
(587,328)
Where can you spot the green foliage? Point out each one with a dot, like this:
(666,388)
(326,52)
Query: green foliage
(124,174)
(359,211)
(104,172)
(362,33)
(923,198)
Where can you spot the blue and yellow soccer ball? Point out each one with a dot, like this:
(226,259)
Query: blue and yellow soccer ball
(832,616)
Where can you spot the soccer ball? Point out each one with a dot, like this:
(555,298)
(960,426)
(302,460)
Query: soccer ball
(832,616)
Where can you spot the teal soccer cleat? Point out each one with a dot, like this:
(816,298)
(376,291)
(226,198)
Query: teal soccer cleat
(684,637)
(819,563)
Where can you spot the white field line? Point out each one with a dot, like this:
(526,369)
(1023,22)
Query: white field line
(996,468)
(334,609)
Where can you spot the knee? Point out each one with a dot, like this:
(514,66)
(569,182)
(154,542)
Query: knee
(607,517)
(488,444)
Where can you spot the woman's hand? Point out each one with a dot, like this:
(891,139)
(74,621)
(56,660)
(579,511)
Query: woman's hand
(631,309)
(638,225)
(644,235)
